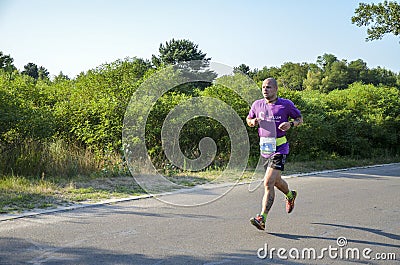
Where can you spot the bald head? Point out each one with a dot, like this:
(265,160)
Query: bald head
(270,89)
(271,81)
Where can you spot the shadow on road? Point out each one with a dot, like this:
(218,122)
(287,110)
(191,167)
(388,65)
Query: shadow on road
(29,253)
(371,230)
(333,239)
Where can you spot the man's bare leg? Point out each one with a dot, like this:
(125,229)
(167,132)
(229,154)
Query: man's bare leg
(271,179)
(282,185)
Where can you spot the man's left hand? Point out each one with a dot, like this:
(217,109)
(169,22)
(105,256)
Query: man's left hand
(284,126)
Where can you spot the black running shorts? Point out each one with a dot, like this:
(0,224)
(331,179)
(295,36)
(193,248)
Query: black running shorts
(276,161)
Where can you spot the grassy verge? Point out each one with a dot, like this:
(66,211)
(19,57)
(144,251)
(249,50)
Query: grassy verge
(21,193)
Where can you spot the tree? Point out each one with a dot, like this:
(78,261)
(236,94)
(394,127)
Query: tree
(358,71)
(337,77)
(6,62)
(36,72)
(43,73)
(32,70)
(189,60)
(382,76)
(266,72)
(398,80)
(292,75)
(61,77)
(314,78)
(384,17)
(245,69)
(325,61)
(176,51)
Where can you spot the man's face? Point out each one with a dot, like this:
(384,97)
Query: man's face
(269,90)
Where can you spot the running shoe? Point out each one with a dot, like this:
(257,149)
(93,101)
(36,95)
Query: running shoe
(258,222)
(290,202)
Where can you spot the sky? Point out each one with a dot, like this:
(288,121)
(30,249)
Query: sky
(74,36)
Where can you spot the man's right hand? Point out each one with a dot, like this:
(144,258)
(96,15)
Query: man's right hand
(252,122)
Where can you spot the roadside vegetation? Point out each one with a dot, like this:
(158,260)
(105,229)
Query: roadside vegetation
(60,137)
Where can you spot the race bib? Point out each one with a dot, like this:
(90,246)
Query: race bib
(267,145)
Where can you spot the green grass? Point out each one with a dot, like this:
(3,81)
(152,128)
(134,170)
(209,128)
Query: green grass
(19,194)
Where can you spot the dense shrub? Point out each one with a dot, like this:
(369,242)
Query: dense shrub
(41,119)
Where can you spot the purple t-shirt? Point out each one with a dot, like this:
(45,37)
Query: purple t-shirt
(271,116)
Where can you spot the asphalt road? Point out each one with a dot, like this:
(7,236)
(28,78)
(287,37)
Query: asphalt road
(360,205)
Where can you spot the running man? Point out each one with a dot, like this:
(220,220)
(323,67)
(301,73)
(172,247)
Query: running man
(272,115)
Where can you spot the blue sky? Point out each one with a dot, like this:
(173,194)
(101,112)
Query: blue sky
(76,35)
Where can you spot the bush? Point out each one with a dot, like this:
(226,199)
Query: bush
(74,127)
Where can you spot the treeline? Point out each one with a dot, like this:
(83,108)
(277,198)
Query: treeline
(65,126)
(327,74)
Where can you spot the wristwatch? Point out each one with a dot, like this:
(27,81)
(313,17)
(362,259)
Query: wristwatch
(291,124)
